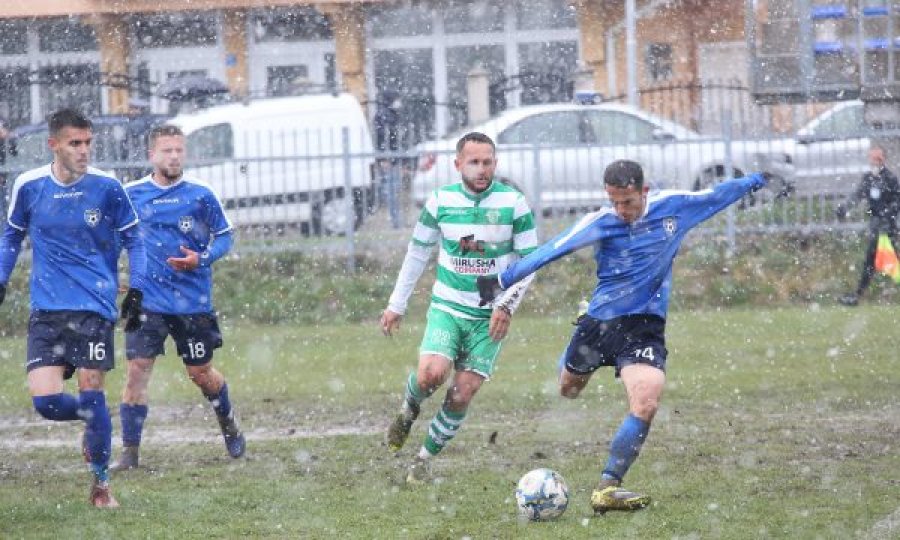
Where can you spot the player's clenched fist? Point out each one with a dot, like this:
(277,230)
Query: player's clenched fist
(131,309)
(488,289)
(390,322)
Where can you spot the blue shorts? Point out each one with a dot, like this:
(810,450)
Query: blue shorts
(74,339)
(630,339)
(195,335)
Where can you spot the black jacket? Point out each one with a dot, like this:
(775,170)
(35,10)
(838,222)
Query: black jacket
(882,193)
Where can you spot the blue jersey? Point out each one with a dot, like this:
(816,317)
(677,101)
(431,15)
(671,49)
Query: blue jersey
(186,213)
(634,261)
(77,231)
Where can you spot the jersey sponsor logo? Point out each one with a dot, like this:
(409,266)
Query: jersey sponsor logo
(186,224)
(468,244)
(68,195)
(166,201)
(92,217)
(456,211)
(477,267)
(670,225)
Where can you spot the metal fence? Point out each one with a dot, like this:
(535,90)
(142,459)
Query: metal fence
(318,190)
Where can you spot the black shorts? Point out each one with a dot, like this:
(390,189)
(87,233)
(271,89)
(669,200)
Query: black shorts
(195,336)
(630,339)
(74,339)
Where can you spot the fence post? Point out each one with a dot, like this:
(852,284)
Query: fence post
(537,188)
(348,200)
(729,173)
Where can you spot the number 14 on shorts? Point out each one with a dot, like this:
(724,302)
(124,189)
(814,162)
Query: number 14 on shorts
(646,352)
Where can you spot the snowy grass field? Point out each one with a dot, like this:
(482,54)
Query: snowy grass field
(776,423)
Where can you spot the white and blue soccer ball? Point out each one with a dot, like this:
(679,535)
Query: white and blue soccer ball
(542,495)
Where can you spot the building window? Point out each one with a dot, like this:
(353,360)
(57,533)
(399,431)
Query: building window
(461,60)
(13,37)
(287,80)
(546,70)
(470,16)
(401,20)
(409,73)
(544,14)
(176,29)
(659,62)
(75,85)
(290,24)
(66,35)
(15,99)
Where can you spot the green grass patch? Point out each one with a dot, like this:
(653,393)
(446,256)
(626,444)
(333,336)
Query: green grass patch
(775,423)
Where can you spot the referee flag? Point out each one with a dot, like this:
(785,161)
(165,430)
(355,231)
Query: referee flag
(886,258)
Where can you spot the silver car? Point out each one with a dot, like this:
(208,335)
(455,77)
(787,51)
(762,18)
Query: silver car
(557,153)
(830,152)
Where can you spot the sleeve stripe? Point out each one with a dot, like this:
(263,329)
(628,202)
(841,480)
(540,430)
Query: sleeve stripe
(223,231)
(14,226)
(582,225)
(128,226)
(423,244)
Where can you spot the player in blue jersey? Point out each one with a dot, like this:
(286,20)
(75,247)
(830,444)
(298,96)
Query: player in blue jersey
(78,219)
(634,243)
(185,231)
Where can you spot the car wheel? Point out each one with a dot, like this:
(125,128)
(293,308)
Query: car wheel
(332,214)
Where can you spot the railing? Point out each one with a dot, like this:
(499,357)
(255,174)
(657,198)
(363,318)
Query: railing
(298,201)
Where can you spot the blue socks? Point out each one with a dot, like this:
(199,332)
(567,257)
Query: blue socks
(625,447)
(98,431)
(58,407)
(220,402)
(133,417)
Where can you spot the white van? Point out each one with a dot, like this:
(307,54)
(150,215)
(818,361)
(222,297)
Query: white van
(284,162)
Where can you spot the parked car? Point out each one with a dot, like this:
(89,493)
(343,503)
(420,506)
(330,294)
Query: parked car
(830,152)
(116,146)
(281,162)
(559,152)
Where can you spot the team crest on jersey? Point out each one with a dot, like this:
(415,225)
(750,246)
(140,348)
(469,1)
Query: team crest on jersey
(92,217)
(186,224)
(670,226)
(492,216)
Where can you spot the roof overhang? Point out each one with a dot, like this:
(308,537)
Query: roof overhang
(54,8)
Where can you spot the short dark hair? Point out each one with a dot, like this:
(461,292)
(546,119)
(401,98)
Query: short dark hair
(67,118)
(163,130)
(624,173)
(476,137)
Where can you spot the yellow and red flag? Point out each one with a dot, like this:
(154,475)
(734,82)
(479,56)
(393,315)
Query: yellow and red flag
(886,258)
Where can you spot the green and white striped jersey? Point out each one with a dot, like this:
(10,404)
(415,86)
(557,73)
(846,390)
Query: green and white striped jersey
(476,235)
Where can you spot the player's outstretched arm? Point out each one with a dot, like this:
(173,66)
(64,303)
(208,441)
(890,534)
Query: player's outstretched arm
(702,205)
(588,230)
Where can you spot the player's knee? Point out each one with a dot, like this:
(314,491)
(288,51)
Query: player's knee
(645,408)
(570,385)
(50,407)
(461,393)
(569,391)
(429,378)
(200,374)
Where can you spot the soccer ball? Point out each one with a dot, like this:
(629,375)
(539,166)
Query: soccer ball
(542,495)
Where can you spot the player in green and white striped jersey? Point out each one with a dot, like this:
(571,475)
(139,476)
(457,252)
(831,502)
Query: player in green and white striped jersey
(480,226)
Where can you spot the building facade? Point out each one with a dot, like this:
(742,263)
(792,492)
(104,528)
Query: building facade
(97,53)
